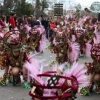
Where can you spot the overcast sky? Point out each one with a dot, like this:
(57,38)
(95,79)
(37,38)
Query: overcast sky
(84,3)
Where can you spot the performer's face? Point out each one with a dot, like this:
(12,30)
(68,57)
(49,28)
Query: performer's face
(16,53)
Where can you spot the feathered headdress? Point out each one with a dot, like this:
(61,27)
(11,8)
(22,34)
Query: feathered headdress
(51,89)
(57,86)
(12,40)
(74,51)
(1,34)
(78,71)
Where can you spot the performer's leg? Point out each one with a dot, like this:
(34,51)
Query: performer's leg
(16,76)
(3,80)
(91,80)
(6,71)
(97,82)
(15,71)
(26,85)
(24,74)
(87,90)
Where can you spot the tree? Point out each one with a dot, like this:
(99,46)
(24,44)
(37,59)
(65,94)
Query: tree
(95,6)
(39,7)
(5,5)
(44,5)
(18,6)
(78,9)
(37,4)
(24,8)
(92,7)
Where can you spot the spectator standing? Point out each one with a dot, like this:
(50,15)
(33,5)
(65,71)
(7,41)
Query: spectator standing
(26,20)
(35,20)
(21,21)
(38,22)
(2,23)
(12,21)
(49,32)
(32,22)
(3,18)
(45,23)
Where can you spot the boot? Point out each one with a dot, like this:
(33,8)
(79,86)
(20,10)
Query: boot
(3,80)
(16,80)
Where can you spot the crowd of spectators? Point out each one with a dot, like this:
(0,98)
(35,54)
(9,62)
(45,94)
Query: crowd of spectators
(13,21)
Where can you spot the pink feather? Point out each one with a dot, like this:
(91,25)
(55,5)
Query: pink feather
(75,50)
(88,49)
(96,37)
(60,67)
(41,29)
(54,42)
(33,69)
(78,71)
(1,34)
(15,28)
(42,43)
(27,28)
(73,38)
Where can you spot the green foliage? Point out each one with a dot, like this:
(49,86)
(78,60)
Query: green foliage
(8,6)
(95,6)
(92,8)
(40,6)
(78,7)
(18,6)
(24,8)
(44,4)
(37,4)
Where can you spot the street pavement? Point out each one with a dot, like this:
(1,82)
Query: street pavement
(10,92)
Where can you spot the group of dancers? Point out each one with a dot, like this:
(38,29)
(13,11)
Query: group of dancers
(70,40)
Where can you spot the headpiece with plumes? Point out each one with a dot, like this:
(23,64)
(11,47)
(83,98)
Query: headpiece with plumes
(1,34)
(12,40)
(42,43)
(46,90)
(74,51)
(88,47)
(96,38)
(78,71)
(27,28)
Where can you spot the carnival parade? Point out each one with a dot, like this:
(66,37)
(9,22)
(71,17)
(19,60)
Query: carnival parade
(70,42)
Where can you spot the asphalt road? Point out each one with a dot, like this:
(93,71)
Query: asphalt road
(10,92)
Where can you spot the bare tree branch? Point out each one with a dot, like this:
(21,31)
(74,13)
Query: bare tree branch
(5,4)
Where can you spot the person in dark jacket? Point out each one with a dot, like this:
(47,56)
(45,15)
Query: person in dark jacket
(38,22)
(21,20)
(45,23)
(32,22)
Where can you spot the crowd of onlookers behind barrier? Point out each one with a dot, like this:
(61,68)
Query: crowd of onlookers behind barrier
(13,21)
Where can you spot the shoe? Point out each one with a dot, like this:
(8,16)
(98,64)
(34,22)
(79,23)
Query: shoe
(84,91)
(16,81)
(84,56)
(97,90)
(26,85)
(40,54)
(2,82)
